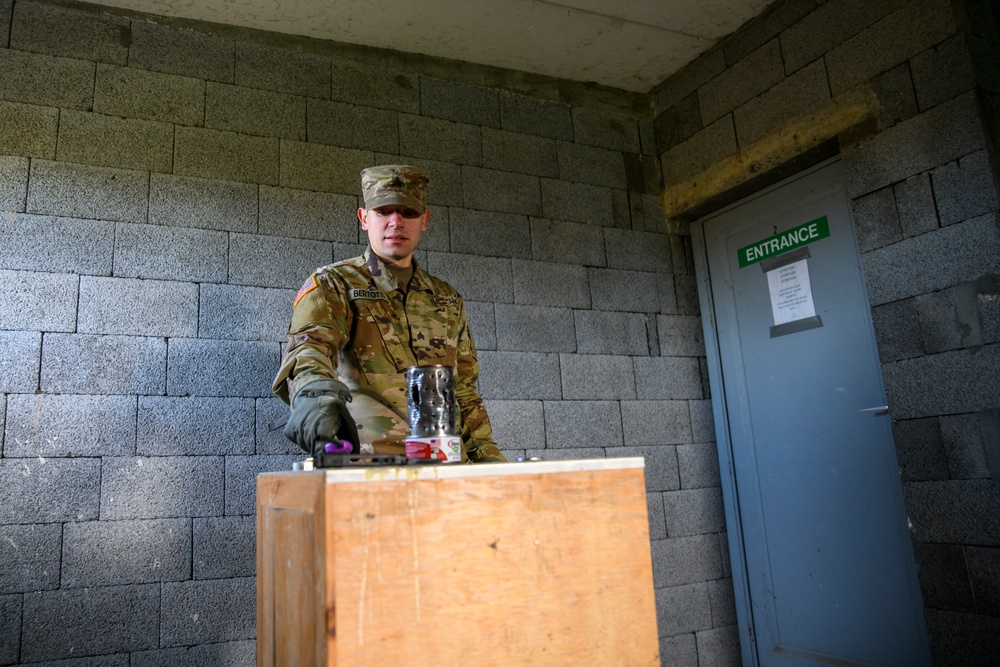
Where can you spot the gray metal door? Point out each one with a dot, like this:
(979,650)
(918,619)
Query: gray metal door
(823,564)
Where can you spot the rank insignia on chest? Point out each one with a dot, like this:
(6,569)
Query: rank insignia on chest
(356,294)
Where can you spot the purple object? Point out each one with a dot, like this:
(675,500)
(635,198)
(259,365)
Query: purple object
(338,447)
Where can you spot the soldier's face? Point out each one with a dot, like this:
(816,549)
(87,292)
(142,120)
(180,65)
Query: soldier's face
(393,231)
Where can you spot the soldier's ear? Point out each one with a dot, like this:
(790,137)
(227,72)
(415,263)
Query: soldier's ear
(427,216)
(363,217)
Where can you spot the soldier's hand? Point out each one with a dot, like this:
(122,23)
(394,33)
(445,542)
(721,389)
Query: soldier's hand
(319,415)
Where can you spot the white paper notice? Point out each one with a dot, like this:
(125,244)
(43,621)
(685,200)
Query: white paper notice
(791,293)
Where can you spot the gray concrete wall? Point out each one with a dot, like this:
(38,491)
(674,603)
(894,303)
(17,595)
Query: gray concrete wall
(923,182)
(165,189)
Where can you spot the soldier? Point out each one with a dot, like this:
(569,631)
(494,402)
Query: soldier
(358,324)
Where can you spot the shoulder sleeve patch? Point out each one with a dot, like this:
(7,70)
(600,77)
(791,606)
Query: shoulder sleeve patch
(309,286)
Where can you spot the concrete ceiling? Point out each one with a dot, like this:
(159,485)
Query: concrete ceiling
(631,45)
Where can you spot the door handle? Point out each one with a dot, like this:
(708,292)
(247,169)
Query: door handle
(878,410)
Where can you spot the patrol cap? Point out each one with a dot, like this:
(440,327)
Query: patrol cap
(394,184)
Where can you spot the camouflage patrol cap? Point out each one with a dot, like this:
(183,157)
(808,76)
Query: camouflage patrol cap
(394,184)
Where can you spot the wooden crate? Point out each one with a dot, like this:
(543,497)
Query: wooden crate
(536,563)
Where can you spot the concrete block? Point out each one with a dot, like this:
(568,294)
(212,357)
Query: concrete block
(13,183)
(568,454)
(225,547)
(764,27)
(654,512)
(375,86)
(350,250)
(38,301)
(606,129)
(178,201)
(517,425)
(436,236)
(50,490)
(31,558)
(681,609)
(203,612)
(958,253)
(251,111)
(184,52)
(920,449)
(87,364)
(28,130)
(519,376)
(460,102)
(161,487)
(791,98)
(964,188)
(310,215)
(549,242)
(244,313)
(482,324)
(888,42)
(694,512)
(679,650)
(223,654)
(984,570)
(440,140)
(475,278)
(947,383)
(529,115)
(227,156)
(507,192)
(66,623)
(943,71)
(129,143)
(150,307)
(548,284)
(949,319)
(955,512)
(680,336)
(667,378)
(896,99)
(625,291)
(283,70)
(582,423)
(534,329)
(698,466)
(688,80)
(686,560)
(6,9)
(597,377)
(170,253)
(647,137)
(3,417)
(826,26)
(113,553)
(137,93)
(523,153)
(944,576)
(661,472)
(221,367)
(595,166)
(897,330)
(702,421)
(80,191)
(352,126)
(915,205)
(45,80)
(181,426)
(48,425)
(577,202)
(607,332)
(656,422)
(272,261)
(962,436)
(268,441)
(65,31)
(20,352)
(720,593)
(323,168)
(708,146)
(719,646)
(241,479)
(741,82)
(10,605)
(489,234)
(961,637)
(876,220)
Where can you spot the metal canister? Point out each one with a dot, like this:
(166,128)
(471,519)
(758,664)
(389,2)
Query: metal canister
(430,397)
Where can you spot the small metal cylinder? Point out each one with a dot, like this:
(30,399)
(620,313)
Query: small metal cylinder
(430,393)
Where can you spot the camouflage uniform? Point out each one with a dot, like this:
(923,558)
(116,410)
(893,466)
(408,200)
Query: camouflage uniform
(351,320)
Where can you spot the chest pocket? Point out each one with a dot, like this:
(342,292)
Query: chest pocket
(376,340)
(433,329)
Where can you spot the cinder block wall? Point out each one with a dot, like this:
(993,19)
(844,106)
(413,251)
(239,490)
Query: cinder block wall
(165,189)
(923,183)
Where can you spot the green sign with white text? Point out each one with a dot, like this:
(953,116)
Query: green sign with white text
(783,242)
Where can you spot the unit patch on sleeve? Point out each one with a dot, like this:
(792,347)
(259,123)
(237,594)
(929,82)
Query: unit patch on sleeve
(307,287)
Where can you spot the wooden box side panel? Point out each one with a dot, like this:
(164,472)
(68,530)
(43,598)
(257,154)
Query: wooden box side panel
(290,570)
(538,569)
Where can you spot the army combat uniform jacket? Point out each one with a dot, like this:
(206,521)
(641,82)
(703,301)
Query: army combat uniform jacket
(351,321)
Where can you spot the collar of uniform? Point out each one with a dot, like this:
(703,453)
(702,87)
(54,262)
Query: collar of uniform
(386,282)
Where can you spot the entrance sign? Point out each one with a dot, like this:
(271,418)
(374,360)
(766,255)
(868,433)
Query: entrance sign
(795,237)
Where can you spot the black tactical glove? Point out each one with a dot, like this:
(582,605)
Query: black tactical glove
(319,415)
